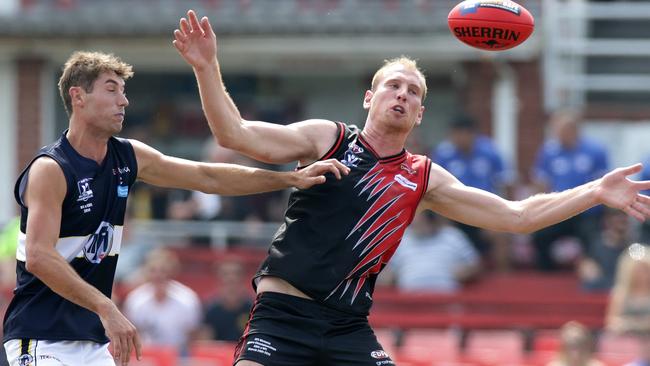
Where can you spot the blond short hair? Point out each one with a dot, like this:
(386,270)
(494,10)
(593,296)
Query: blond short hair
(408,63)
(83,68)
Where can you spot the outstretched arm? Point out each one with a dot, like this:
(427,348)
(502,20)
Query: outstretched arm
(449,197)
(226,179)
(305,141)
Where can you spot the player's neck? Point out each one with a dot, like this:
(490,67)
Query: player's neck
(88,144)
(384,144)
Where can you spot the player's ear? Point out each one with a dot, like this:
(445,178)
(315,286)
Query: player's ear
(366,99)
(76,95)
(418,119)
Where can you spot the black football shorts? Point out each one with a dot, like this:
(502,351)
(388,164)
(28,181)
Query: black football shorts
(285,330)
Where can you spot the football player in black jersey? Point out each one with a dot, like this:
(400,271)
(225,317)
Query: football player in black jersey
(315,287)
(73,199)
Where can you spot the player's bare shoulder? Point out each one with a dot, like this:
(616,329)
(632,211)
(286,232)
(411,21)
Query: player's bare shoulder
(46,167)
(438,177)
(45,179)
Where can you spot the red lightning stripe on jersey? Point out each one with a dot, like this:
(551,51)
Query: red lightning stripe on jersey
(384,232)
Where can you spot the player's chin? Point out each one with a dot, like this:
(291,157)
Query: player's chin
(116,127)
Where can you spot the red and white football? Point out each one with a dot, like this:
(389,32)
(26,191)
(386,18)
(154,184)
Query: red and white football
(492,25)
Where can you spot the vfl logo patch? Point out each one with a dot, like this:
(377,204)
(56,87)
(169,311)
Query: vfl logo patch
(378,354)
(122,191)
(99,244)
(405,182)
(25,359)
(85,193)
(350,159)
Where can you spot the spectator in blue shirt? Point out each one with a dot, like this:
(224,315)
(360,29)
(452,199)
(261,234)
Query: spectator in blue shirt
(471,157)
(567,160)
(474,160)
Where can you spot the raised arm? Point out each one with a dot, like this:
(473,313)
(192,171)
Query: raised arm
(449,197)
(305,141)
(44,195)
(226,179)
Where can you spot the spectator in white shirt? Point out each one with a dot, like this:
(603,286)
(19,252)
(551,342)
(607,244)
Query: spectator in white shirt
(165,311)
(433,256)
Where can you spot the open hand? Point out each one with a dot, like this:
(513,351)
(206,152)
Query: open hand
(315,173)
(196,41)
(618,191)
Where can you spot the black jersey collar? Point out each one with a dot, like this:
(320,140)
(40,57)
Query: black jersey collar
(400,156)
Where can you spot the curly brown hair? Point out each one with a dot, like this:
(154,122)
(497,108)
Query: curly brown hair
(83,68)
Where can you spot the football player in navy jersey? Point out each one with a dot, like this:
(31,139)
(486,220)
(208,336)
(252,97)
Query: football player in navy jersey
(73,199)
(315,287)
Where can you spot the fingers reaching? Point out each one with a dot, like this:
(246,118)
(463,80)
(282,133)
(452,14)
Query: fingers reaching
(194,22)
(185,27)
(332,169)
(639,208)
(318,180)
(315,173)
(207,27)
(632,169)
(179,41)
(642,205)
(643,185)
(337,167)
(179,36)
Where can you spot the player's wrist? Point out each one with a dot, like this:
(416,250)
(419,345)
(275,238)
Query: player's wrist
(104,306)
(209,67)
(292,178)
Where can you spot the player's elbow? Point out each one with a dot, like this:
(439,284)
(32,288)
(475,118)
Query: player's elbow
(232,138)
(519,222)
(228,141)
(523,224)
(34,261)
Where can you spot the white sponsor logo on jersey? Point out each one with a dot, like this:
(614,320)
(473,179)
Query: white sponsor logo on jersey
(405,182)
(378,354)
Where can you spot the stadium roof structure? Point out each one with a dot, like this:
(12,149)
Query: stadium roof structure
(115,18)
(264,36)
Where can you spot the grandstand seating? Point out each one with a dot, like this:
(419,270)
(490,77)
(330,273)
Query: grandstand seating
(497,301)
(495,347)
(427,346)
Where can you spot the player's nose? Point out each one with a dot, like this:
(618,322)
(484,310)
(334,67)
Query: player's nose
(123,101)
